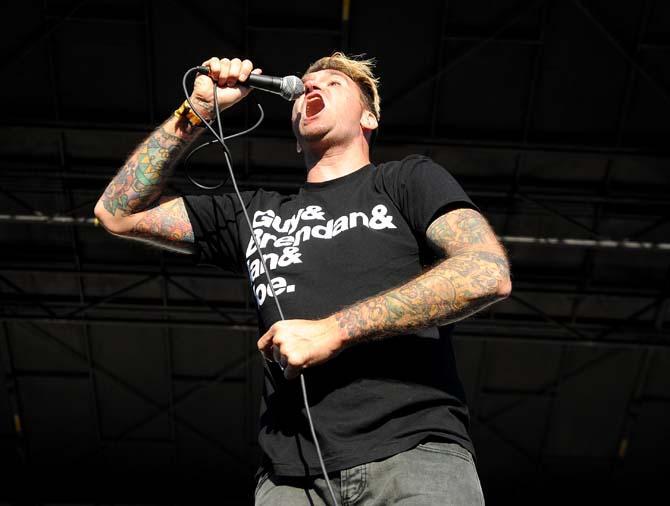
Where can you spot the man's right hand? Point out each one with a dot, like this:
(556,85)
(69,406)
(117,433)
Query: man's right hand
(227,74)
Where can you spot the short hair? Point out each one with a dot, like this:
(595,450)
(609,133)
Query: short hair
(359,70)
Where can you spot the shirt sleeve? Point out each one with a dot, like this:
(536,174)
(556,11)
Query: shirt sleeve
(424,190)
(214,222)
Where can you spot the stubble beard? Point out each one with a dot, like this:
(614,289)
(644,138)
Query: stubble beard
(314,133)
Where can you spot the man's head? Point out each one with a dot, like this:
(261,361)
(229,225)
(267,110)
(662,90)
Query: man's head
(341,102)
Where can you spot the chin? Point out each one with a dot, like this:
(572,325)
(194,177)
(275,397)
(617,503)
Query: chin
(314,134)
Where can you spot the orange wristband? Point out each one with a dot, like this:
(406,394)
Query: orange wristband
(187,113)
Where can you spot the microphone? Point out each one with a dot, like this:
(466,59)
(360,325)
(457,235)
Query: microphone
(289,87)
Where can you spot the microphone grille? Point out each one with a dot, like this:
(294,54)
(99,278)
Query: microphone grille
(291,87)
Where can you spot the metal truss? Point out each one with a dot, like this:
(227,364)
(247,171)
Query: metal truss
(613,338)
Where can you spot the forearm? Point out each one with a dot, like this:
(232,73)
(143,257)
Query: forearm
(452,290)
(142,179)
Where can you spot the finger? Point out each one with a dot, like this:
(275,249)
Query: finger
(264,344)
(214,68)
(234,71)
(223,75)
(245,70)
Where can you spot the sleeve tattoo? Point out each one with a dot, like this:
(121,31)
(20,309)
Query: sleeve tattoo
(474,275)
(141,179)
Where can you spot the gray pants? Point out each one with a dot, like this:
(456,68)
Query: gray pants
(433,473)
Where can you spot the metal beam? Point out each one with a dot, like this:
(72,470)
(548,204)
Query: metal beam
(546,282)
(631,59)
(548,387)
(8,380)
(34,329)
(526,331)
(449,67)
(388,139)
(36,38)
(218,377)
(563,242)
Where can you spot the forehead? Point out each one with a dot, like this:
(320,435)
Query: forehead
(325,73)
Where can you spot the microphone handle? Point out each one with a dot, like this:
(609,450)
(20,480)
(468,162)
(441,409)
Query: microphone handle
(265,83)
(271,84)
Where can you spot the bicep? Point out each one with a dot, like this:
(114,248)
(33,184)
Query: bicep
(165,225)
(462,230)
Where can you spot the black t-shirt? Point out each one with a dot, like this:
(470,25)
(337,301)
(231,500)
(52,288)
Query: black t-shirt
(328,246)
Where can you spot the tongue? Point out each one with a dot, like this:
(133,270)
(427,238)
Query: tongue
(314,107)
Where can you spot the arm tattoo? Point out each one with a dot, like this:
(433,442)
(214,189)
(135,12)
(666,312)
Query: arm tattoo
(144,175)
(460,230)
(167,226)
(169,220)
(466,282)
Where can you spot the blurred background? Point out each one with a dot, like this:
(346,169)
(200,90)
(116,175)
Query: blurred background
(130,376)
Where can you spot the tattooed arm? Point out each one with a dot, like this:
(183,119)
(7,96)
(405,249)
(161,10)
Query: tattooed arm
(132,205)
(474,274)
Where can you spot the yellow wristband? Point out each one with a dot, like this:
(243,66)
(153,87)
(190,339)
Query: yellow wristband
(187,113)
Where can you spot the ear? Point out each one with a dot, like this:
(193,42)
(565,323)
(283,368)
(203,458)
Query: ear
(368,121)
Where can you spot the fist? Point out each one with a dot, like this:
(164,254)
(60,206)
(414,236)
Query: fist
(227,74)
(298,344)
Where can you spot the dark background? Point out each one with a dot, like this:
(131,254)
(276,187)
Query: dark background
(127,375)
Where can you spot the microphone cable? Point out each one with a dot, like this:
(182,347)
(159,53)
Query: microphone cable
(228,157)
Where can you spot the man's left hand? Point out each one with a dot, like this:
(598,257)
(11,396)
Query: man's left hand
(298,344)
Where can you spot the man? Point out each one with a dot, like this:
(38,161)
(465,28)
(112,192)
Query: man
(367,322)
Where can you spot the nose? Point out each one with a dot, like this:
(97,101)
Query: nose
(311,85)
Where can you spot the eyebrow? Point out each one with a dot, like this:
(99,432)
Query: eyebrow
(331,73)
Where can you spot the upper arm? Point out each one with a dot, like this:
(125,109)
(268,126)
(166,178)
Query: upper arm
(165,225)
(461,230)
(466,232)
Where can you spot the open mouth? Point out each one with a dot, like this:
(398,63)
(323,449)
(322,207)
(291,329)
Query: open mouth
(313,106)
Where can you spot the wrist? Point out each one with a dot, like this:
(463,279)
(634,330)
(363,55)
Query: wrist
(203,107)
(346,328)
(194,113)
(339,335)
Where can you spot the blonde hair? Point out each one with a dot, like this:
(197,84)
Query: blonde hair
(360,72)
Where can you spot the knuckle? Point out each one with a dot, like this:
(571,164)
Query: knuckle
(295,359)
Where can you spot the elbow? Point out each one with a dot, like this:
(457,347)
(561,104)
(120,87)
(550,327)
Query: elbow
(108,222)
(102,215)
(504,288)
(100,212)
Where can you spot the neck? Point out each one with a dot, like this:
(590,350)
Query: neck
(335,161)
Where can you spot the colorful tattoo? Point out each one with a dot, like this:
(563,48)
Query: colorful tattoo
(466,282)
(142,178)
(169,220)
(459,230)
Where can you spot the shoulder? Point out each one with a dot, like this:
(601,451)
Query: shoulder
(408,166)
(407,163)
(412,171)
(257,198)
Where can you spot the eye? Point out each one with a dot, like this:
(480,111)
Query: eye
(333,82)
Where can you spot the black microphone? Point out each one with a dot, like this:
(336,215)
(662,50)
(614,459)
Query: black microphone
(289,87)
